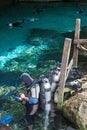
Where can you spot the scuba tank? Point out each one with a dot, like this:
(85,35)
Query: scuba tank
(46,85)
(45,93)
(76,85)
(55,77)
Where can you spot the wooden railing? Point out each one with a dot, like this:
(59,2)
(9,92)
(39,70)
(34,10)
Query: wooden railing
(65,65)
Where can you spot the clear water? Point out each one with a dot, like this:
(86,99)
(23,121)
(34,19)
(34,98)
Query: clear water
(60,17)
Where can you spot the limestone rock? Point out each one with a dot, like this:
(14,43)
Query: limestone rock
(75,108)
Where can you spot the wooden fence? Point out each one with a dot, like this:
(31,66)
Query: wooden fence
(65,65)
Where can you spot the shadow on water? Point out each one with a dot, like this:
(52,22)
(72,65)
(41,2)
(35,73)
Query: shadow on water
(9,78)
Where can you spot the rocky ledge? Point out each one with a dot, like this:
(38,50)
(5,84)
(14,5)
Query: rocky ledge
(75,109)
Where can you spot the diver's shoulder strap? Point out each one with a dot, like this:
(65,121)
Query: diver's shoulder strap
(31,85)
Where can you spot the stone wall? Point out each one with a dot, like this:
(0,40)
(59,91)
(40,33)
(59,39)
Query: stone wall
(6,2)
(39,0)
(52,0)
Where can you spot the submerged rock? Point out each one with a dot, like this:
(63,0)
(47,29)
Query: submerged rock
(43,36)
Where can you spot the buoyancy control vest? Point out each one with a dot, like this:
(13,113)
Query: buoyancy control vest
(34,90)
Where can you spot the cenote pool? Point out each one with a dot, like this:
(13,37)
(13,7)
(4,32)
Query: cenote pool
(34,46)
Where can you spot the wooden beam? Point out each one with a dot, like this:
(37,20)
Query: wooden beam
(63,72)
(80,41)
(69,68)
(76,37)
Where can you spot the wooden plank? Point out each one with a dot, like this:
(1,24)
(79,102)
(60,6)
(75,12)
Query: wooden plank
(80,41)
(66,90)
(77,35)
(64,64)
(77,31)
(69,68)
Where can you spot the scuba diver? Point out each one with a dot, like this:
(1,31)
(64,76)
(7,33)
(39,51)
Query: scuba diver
(30,98)
(20,22)
(16,24)
(81,11)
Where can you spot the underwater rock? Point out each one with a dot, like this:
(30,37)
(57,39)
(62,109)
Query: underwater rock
(43,36)
(36,41)
(32,60)
(44,33)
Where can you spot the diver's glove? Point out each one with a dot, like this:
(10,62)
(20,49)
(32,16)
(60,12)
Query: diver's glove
(17,98)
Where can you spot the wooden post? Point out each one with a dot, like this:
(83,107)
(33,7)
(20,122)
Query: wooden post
(63,74)
(76,37)
(69,68)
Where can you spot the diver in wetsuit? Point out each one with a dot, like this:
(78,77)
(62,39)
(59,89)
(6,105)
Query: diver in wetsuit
(20,22)
(16,24)
(30,99)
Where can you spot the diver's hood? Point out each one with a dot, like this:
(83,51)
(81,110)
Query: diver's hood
(27,79)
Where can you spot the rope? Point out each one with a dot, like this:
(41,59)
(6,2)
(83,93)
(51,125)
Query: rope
(83,80)
(82,48)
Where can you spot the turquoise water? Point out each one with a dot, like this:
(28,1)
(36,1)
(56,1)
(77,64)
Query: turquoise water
(41,35)
(37,45)
(60,17)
